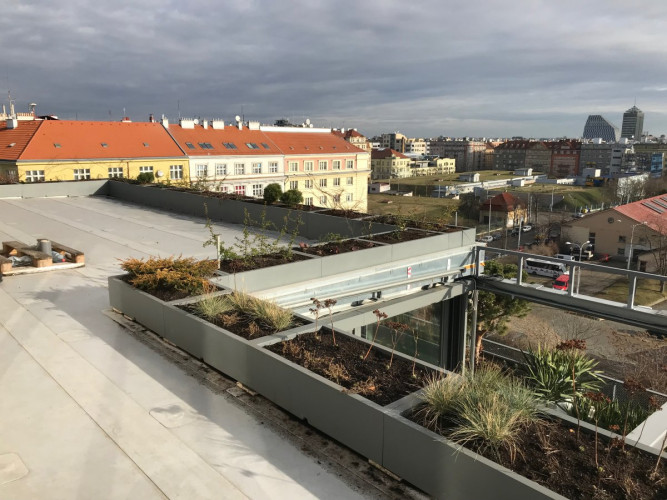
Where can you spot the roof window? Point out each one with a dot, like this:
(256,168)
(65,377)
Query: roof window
(190,145)
(11,145)
(105,145)
(146,144)
(265,145)
(206,145)
(229,145)
(56,145)
(252,145)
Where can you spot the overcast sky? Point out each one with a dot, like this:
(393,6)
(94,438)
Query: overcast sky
(424,68)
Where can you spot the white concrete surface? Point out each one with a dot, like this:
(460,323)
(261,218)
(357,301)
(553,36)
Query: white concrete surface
(89,411)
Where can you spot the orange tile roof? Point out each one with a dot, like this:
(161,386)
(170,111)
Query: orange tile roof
(653,211)
(14,141)
(210,141)
(311,143)
(381,154)
(75,140)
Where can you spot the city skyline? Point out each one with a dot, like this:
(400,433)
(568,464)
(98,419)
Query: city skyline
(428,68)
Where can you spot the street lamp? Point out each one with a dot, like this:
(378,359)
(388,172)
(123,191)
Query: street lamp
(632,234)
(581,251)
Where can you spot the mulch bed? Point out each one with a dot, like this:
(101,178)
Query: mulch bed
(258,262)
(344,364)
(239,323)
(336,247)
(551,455)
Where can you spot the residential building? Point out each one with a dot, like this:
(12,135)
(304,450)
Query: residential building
(565,158)
(633,124)
(235,159)
(640,226)
(389,164)
(416,147)
(54,150)
(597,127)
(329,171)
(355,138)
(435,166)
(469,154)
(504,209)
(596,154)
(395,141)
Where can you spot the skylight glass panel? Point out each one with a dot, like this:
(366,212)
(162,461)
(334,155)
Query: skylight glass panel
(252,145)
(190,145)
(661,203)
(653,207)
(105,145)
(265,145)
(229,145)
(56,145)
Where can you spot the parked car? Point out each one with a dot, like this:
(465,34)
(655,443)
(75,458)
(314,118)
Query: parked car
(578,215)
(485,239)
(496,236)
(526,228)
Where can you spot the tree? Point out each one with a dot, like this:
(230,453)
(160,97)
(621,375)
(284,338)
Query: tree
(292,197)
(494,310)
(272,193)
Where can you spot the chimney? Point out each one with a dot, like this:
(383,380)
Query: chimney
(165,122)
(204,124)
(151,118)
(12,123)
(253,125)
(217,124)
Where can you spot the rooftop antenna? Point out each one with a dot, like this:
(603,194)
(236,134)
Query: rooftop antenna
(178,106)
(11,104)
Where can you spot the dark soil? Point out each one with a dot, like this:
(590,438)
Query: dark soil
(162,294)
(240,324)
(348,214)
(398,236)
(343,364)
(551,455)
(258,262)
(336,247)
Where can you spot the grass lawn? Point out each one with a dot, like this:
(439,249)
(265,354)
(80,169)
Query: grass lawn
(648,292)
(381,204)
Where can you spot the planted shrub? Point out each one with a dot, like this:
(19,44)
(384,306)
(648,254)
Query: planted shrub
(292,197)
(272,193)
(558,375)
(170,277)
(145,178)
(211,307)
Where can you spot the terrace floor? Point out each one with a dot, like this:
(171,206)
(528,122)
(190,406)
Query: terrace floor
(93,406)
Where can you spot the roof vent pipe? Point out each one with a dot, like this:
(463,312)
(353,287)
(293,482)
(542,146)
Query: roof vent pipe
(44,245)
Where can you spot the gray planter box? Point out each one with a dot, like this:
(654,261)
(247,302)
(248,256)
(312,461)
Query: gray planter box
(140,306)
(443,469)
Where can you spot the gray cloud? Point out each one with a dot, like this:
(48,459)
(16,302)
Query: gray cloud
(531,68)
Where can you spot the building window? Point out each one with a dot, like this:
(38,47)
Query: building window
(115,172)
(257,190)
(220,169)
(294,166)
(201,171)
(308,201)
(308,183)
(349,164)
(335,164)
(336,181)
(34,176)
(81,174)
(324,165)
(146,169)
(349,197)
(223,188)
(175,172)
(240,190)
(621,239)
(323,200)
(323,183)
(308,166)
(350,181)
(336,198)
(620,251)
(273,167)
(294,184)
(257,168)
(239,168)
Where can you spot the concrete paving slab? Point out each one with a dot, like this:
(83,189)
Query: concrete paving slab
(95,412)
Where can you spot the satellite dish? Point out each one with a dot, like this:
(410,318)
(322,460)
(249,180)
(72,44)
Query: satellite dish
(238,118)
(307,121)
(196,120)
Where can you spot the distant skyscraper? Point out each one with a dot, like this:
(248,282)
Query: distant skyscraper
(598,127)
(633,123)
